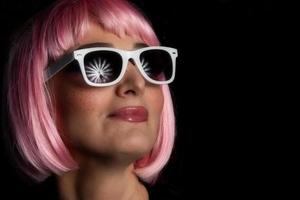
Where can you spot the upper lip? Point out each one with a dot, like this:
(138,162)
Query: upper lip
(131,113)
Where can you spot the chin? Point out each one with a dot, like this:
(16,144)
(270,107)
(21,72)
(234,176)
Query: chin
(136,147)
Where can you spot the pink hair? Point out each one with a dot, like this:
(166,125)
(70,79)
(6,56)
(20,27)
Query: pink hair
(31,111)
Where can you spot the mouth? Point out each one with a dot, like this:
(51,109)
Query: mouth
(130,114)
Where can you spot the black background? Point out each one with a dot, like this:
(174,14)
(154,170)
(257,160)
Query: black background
(226,49)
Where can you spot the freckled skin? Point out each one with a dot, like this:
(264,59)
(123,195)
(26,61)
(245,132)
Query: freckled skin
(83,111)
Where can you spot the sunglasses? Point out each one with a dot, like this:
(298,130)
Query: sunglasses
(106,66)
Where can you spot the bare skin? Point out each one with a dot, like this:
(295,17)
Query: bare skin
(93,182)
(105,148)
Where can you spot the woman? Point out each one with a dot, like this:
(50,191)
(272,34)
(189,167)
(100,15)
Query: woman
(88,99)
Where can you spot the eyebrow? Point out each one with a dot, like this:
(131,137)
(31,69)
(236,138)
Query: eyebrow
(140,45)
(96,44)
(104,44)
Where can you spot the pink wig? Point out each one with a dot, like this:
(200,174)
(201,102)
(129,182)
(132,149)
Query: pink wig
(31,110)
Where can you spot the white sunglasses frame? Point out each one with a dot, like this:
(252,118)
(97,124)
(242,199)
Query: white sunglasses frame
(79,55)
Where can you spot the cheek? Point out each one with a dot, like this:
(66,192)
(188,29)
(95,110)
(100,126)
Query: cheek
(80,104)
(77,104)
(155,101)
(80,113)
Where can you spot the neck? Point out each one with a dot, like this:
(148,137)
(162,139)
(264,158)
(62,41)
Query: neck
(94,181)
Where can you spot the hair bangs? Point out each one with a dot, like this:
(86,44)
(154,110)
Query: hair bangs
(121,18)
(64,27)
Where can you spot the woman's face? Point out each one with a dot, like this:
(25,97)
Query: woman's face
(118,122)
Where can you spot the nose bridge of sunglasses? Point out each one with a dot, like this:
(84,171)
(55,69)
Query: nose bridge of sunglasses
(130,57)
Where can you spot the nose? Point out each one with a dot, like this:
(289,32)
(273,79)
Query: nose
(133,83)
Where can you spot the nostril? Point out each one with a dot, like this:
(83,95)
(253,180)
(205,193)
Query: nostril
(130,92)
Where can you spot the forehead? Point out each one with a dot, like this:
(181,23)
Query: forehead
(96,34)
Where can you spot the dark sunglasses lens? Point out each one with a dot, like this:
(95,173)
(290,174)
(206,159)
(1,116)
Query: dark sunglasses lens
(102,66)
(157,64)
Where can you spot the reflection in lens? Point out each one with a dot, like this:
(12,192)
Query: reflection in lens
(146,67)
(102,66)
(98,71)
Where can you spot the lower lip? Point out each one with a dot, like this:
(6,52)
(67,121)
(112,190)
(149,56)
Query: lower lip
(131,114)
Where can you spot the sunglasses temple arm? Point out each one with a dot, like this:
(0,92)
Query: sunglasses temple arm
(57,66)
